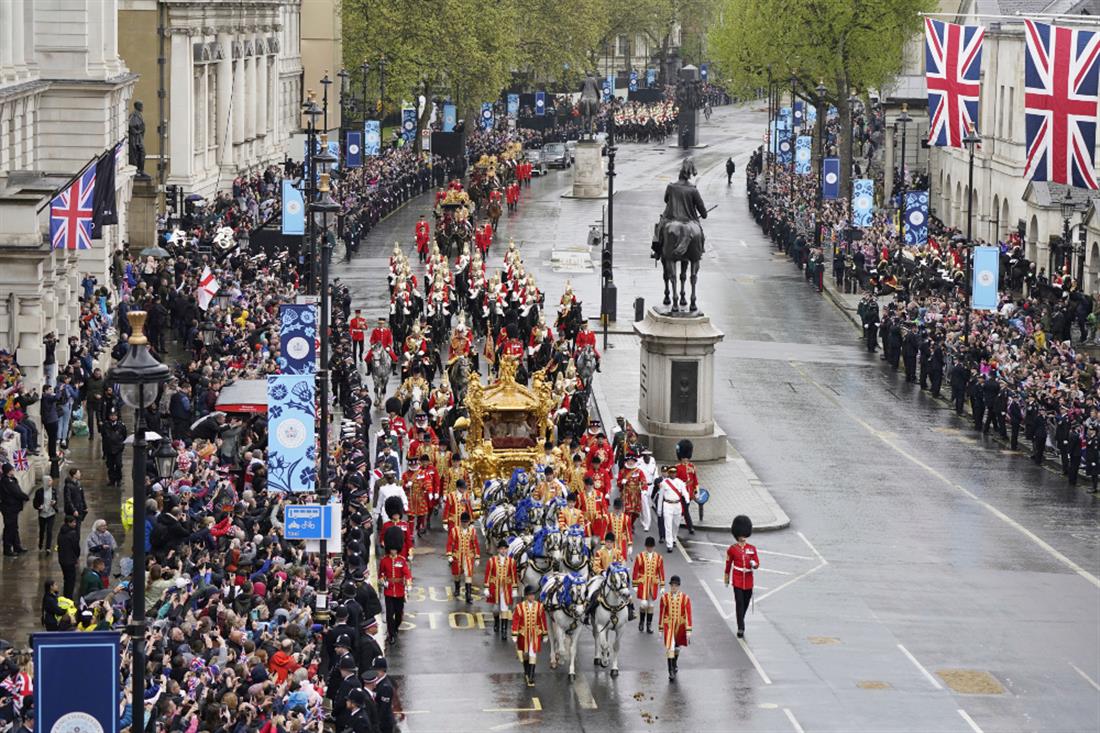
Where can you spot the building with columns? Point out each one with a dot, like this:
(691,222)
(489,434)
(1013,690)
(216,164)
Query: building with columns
(323,49)
(64,99)
(231,76)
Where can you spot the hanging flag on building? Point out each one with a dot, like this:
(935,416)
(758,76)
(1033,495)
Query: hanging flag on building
(513,106)
(450,117)
(704,71)
(802,153)
(71,212)
(540,104)
(986,274)
(372,138)
(486,115)
(354,156)
(294,209)
(953,61)
(863,202)
(916,217)
(830,180)
(104,202)
(208,288)
(1060,103)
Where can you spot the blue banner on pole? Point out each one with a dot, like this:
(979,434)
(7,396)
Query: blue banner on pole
(830,180)
(334,151)
(916,217)
(986,269)
(408,123)
(863,202)
(486,115)
(786,155)
(354,156)
(291,425)
(297,338)
(704,71)
(811,113)
(785,114)
(779,132)
(450,117)
(798,112)
(608,87)
(802,154)
(540,104)
(372,138)
(633,85)
(513,106)
(76,681)
(650,77)
(294,209)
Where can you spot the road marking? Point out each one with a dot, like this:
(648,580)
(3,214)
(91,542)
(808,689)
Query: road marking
(742,242)
(536,706)
(514,723)
(795,579)
(584,693)
(785,554)
(970,721)
(714,599)
(813,549)
(1045,546)
(918,665)
(770,570)
(794,721)
(680,547)
(752,658)
(1088,679)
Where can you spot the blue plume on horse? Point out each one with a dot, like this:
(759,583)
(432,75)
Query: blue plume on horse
(568,583)
(538,547)
(524,509)
(575,531)
(519,476)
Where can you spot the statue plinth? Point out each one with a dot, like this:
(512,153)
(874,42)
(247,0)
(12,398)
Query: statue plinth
(676,384)
(143,215)
(589,176)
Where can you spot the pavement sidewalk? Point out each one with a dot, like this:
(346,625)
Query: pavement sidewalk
(734,487)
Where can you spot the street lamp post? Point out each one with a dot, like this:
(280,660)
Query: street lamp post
(312,113)
(904,119)
(365,69)
(326,82)
(382,89)
(820,102)
(790,190)
(971,141)
(1066,249)
(853,101)
(138,375)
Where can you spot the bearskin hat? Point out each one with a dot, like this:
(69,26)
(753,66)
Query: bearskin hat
(685,449)
(394,539)
(394,505)
(742,526)
(393,405)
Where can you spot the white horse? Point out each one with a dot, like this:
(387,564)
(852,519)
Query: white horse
(563,595)
(586,365)
(534,560)
(380,366)
(575,553)
(612,591)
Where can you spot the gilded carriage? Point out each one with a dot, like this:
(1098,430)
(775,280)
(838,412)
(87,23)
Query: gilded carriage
(508,422)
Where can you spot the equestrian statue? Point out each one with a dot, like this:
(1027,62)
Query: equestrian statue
(589,105)
(678,237)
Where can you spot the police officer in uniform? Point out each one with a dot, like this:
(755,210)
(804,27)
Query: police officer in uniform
(348,682)
(362,717)
(383,690)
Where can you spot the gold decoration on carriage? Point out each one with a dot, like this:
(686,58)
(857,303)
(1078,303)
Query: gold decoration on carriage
(508,422)
(456,198)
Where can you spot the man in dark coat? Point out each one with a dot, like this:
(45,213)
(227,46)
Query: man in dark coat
(12,500)
(935,367)
(68,554)
(114,442)
(73,501)
(959,378)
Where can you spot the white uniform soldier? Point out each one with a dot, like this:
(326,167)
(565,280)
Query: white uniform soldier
(649,470)
(673,494)
(389,486)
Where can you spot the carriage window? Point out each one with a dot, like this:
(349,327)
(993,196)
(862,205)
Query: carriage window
(512,430)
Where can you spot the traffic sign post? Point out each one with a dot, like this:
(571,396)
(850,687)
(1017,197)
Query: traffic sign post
(307,522)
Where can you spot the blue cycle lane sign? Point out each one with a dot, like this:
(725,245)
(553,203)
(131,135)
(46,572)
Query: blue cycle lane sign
(307,522)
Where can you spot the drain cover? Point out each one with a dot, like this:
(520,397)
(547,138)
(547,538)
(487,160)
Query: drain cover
(824,640)
(873,685)
(971,681)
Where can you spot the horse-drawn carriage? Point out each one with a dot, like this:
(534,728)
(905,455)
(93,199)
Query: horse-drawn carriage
(454,225)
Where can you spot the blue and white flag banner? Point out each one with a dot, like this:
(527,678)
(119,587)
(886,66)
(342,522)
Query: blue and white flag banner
(408,123)
(450,117)
(372,138)
(704,71)
(354,156)
(916,217)
(786,155)
(830,180)
(297,338)
(986,269)
(633,85)
(608,88)
(334,151)
(513,106)
(811,113)
(76,682)
(798,112)
(540,104)
(863,202)
(486,115)
(802,155)
(294,209)
(291,426)
(650,77)
(785,113)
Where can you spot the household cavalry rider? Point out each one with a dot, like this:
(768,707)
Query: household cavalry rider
(462,341)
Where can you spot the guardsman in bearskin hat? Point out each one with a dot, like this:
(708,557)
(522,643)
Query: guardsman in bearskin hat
(529,628)
(685,471)
(396,577)
(742,560)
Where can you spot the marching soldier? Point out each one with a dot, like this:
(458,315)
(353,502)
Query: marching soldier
(619,524)
(632,485)
(396,577)
(649,579)
(742,560)
(528,630)
(457,502)
(357,327)
(606,554)
(673,497)
(423,235)
(500,579)
(463,553)
(685,471)
(674,620)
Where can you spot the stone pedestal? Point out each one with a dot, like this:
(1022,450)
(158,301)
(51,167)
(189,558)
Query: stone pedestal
(143,215)
(676,385)
(589,176)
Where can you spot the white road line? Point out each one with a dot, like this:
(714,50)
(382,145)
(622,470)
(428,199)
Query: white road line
(742,242)
(1088,679)
(584,693)
(785,554)
(726,615)
(771,570)
(680,547)
(795,579)
(1045,546)
(752,658)
(927,675)
(970,721)
(794,721)
(813,549)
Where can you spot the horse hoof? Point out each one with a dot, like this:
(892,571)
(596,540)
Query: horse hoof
(614,673)
(668,301)
(596,663)
(572,676)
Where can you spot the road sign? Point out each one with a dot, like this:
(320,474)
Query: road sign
(307,522)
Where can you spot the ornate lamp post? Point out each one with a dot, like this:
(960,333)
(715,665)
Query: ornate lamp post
(971,141)
(904,119)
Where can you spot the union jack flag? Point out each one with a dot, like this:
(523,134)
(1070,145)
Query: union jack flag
(71,213)
(953,59)
(1060,100)
(19,460)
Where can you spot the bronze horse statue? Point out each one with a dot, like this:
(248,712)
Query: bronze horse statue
(678,237)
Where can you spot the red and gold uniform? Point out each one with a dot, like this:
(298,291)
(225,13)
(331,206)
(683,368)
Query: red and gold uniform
(528,629)
(571,516)
(648,576)
(500,579)
(674,620)
(384,336)
(685,471)
(632,483)
(598,448)
(357,327)
(604,557)
(622,525)
(599,523)
(423,236)
(455,503)
(418,487)
(463,551)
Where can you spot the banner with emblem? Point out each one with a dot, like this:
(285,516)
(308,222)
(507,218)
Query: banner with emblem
(704,71)
(297,338)
(486,115)
(784,146)
(811,113)
(633,85)
(450,117)
(830,179)
(863,202)
(798,106)
(609,87)
(650,77)
(916,217)
(408,123)
(803,146)
(291,426)
(76,682)
(294,209)
(372,138)
(983,293)
(540,104)
(513,106)
(354,155)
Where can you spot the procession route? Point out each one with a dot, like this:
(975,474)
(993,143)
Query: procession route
(536,706)
(889,442)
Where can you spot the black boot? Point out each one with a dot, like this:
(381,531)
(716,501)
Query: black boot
(496,623)
(505,627)
(630,612)
(676,662)
(649,623)
(457,586)
(531,679)
(469,598)
(641,621)
(671,670)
